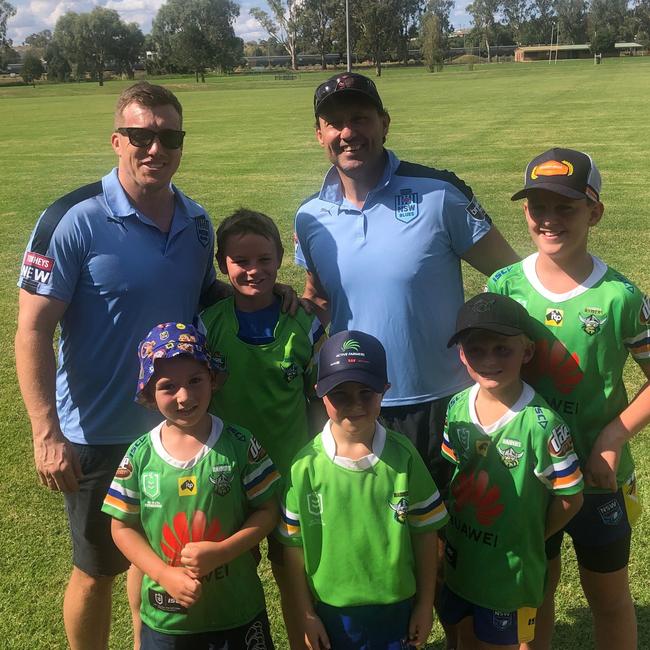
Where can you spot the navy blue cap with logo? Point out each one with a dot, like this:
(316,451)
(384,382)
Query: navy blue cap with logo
(351,356)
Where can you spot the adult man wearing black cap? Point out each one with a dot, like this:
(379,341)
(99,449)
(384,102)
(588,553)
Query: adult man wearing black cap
(382,243)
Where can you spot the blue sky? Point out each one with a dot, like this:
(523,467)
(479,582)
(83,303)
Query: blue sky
(35,15)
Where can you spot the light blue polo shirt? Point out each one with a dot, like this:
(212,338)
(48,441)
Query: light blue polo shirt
(120,276)
(393,269)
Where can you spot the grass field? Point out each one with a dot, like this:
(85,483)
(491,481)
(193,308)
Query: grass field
(250,142)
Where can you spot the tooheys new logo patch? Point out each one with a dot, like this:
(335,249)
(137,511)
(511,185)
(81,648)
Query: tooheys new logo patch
(37,268)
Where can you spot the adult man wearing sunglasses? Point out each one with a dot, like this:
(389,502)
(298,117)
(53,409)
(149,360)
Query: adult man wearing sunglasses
(381,244)
(108,262)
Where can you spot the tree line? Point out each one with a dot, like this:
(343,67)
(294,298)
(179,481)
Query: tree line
(198,35)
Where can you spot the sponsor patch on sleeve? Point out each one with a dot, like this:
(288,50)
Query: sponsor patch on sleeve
(560,442)
(644,315)
(37,268)
(476,211)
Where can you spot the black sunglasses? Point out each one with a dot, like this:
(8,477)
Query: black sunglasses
(169,138)
(347,81)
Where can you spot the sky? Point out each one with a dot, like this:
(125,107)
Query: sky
(35,15)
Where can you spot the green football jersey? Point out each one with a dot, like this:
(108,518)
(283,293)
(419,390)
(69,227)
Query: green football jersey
(354,519)
(582,339)
(505,477)
(267,386)
(206,498)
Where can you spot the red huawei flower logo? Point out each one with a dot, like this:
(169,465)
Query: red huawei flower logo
(472,489)
(557,363)
(184,532)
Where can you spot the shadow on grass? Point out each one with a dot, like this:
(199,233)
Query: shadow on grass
(575,630)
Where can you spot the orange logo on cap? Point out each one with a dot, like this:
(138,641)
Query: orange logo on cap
(552,168)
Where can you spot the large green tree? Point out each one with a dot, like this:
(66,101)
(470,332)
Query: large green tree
(607,20)
(483,14)
(129,47)
(7,11)
(572,20)
(642,16)
(282,25)
(32,67)
(409,14)
(517,15)
(432,41)
(379,29)
(316,25)
(198,35)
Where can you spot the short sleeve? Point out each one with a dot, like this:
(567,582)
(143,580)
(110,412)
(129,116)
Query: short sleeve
(557,464)
(636,333)
(53,259)
(288,529)
(465,219)
(426,510)
(123,498)
(301,252)
(260,477)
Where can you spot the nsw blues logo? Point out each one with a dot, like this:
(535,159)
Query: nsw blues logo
(202,230)
(406,206)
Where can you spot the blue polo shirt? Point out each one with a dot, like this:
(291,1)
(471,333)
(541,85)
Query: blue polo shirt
(392,269)
(120,276)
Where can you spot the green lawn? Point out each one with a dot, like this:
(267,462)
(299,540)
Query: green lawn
(250,142)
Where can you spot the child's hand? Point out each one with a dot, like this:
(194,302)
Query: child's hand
(600,470)
(315,635)
(420,624)
(181,585)
(202,557)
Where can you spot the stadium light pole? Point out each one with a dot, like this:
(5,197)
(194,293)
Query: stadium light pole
(347,35)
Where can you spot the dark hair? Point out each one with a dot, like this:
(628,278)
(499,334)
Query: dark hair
(245,222)
(149,95)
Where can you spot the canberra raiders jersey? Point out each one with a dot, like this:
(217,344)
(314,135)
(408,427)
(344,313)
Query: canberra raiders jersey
(505,477)
(354,519)
(205,498)
(582,340)
(267,384)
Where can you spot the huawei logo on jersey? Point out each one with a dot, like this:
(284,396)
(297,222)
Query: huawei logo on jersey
(473,490)
(556,363)
(182,532)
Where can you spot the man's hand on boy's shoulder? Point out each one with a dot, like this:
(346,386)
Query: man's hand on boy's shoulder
(290,302)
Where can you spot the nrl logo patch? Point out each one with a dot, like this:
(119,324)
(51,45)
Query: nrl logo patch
(591,323)
(151,484)
(315,503)
(406,206)
(400,510)
(202,230)
(510,457)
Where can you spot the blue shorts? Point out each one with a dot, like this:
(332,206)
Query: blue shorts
(254,635)
(367,627)
(601,532)
(490,626)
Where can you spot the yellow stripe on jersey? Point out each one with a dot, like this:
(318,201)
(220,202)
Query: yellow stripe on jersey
(121,505)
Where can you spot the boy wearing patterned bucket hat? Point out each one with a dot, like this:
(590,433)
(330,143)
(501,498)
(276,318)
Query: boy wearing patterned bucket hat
(587,319)
(360,514)
(189,501)
(517,481)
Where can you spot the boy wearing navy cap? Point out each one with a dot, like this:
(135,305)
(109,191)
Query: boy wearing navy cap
(189,501)
(517,481)
(360,514)
(588,318)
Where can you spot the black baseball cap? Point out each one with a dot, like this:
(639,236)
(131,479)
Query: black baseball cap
(564,171)
(351,356)
(494,313)
(349,83)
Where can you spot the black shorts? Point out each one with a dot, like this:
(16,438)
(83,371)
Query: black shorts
(423,425)
(600,532)
(255,635)
(93,550)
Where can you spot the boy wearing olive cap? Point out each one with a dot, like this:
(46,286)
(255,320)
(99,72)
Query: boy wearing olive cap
(360,514)
(517,481)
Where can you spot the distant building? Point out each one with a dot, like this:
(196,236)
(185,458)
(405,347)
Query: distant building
(629,49)
(542,52)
